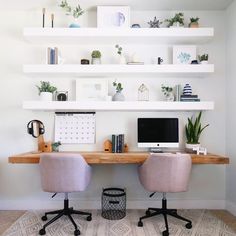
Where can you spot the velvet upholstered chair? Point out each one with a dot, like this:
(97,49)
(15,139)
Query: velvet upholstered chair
(165,173)
(64,173)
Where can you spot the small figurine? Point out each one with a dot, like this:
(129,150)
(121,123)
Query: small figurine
(155,23)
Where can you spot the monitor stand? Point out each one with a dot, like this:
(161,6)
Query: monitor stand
(155,150)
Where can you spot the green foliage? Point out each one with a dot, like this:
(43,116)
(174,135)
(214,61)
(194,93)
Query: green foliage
(118,86)
(46,87)
(55,146)
(166,89)
(119,49)
(194,20)
(194,129)
(203,57)
(179,17)
(96,54)
(76,12)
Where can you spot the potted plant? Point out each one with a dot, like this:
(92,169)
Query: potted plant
(74,12)
(193,130)
(121,59)
(96,57)
(118,96)
(46,91)
(194,22)
(176,21)
(55,146)
(168,93)
(203,58)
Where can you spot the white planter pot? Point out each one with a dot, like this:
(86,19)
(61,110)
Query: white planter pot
(204,62)
(118,96)
(190,147)
(45,96)
(96,61)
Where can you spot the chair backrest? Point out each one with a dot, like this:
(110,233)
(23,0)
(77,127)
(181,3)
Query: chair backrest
(64,172)
(165,173)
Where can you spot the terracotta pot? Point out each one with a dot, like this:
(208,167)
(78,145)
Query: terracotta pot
(194,25)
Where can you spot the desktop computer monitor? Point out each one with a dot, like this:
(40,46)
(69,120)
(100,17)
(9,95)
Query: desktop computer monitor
(158,133)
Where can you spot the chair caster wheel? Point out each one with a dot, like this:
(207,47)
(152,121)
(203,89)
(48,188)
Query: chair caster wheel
(188,225)
(140,224)
(42,231)
(44,218)
(89,218)
(76,232)
(148,213)
(165,233)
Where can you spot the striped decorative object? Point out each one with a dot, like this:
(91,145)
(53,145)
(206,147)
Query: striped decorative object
(187,90)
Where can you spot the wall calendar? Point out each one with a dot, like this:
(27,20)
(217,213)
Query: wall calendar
(74,128)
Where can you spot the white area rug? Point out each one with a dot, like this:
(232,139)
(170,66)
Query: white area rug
(204,224)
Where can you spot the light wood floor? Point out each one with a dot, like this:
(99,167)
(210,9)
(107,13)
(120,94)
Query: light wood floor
(7,218)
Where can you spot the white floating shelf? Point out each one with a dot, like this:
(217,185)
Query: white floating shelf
(111,69)
(116,106)
(122,36)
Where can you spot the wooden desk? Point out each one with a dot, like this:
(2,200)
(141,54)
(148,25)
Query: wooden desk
(117,158)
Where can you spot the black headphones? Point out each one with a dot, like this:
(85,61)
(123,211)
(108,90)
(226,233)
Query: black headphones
(30,128)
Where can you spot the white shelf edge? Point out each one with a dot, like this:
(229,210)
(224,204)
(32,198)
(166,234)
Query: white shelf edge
(113,68)
(117,106)
(124,35)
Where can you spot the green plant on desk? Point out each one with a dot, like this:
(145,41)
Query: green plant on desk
(45,86)
(193,129)
(55,146)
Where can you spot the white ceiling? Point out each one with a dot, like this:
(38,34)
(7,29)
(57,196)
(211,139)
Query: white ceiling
(134,4)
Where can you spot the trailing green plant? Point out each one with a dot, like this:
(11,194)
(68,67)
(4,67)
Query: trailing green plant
(119,49)
(203,57)
(193,129)
(45,86)
(179,17)
(96,54)
(118,86)
(194,20)
(166,90)
(75,12)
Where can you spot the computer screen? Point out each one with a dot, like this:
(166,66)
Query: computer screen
(158,132)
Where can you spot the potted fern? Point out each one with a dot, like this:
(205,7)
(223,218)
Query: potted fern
(176,21)
(203,58)
(193,130)
(46,91)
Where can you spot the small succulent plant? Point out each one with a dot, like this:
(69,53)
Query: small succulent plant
(155,23)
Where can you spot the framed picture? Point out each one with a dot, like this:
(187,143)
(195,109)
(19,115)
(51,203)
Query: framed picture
(184,54)
(113,16)
(91,89)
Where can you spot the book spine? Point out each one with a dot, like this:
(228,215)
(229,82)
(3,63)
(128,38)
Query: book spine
(56,55)
(189,96)
(117,143)
(190,100)
(49,56)
(120,143)
(113,140)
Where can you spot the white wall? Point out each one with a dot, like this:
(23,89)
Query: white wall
(231,108)
(20,185)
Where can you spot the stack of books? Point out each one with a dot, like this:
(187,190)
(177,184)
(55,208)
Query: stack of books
(52,56)
(117,143)
(189,98)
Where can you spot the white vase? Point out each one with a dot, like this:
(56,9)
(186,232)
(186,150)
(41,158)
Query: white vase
(118,96)
(96,61)
(45,96)
(190,147)
(121,59)
(169,97)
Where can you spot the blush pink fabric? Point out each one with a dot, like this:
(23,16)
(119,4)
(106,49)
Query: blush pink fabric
(166,172)
(64,173)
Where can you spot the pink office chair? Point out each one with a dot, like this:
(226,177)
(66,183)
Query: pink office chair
(64,173)
(165,173)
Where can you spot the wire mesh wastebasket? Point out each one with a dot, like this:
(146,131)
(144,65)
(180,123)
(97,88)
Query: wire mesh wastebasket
(113,203)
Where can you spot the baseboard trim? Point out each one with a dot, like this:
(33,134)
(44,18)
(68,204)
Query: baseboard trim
(231,207)
(81,204)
